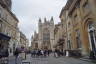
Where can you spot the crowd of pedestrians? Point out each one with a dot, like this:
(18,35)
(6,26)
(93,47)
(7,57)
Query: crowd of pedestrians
(58,53)
(46,53)
(37,53)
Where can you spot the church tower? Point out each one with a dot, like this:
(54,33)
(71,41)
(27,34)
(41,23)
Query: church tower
(39,33)
(52,20)
(46,34)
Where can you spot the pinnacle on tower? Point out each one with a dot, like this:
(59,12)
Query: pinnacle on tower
(52,18)
(45,19)
(40,20)
(32,37)
(35,32)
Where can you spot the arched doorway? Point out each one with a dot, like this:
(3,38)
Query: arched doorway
(92,36)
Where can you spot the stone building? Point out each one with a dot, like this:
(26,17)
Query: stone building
(59,36)
(6,3)
(27,44)
(23,40)
(34,41)
(79,18)
(46,34)
(9,24)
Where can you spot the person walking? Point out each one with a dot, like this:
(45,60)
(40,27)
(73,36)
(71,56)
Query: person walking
(42,53)
(56,53)
(16,53)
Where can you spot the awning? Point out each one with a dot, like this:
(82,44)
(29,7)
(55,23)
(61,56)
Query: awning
(4,37)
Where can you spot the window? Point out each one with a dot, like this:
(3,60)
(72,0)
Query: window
(69,24)
(75,18)
(46,36)
(86,6)
(69,42)
(78,40)
(78,5)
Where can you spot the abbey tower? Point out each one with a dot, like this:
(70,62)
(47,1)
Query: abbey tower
(46,34)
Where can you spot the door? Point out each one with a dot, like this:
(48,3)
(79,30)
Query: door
(92,36)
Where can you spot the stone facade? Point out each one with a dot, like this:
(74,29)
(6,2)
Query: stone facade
(79,18)
(34,41)
(58,35)
(46,34)
(23,40)
(9,26)
(6,4)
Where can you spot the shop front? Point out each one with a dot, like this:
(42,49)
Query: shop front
(4,43)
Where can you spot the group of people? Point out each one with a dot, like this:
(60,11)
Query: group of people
(45,53)
(58,53)
(36,53)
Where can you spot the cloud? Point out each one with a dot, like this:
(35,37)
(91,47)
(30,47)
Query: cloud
(29,11)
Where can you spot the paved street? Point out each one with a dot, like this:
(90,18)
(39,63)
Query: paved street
(60,60)
(65,60)
(49,60)
(12,60)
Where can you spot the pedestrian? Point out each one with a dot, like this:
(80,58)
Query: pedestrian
(42,52)
(48,52)
(16,53)
(92,55)
(56,53)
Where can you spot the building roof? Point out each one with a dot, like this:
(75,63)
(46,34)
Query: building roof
(68,4)
(66,7)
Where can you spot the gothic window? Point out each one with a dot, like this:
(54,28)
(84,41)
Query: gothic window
(69,42)
(46,35)
(78,40)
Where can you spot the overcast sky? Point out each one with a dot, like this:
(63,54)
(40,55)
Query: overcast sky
(29,11)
